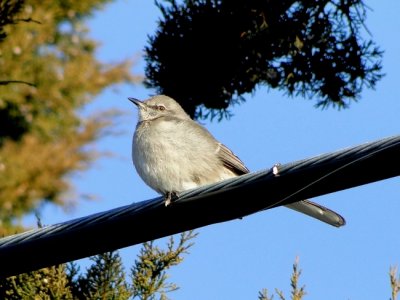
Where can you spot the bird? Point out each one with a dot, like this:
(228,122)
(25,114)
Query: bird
(173,153)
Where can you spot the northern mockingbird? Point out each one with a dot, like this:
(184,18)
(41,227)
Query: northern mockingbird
(173,153)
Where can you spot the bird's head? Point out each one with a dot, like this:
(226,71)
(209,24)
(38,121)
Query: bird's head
(158,106)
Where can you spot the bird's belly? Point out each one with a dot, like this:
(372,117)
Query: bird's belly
(162,167)
(168,166)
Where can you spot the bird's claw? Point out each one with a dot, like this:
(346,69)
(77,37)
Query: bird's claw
(169,197)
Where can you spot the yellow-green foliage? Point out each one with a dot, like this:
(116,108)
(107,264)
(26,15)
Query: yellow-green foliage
(297,293)
(149,273)
(48,73)
(394,282)
(44,284)
(105,279)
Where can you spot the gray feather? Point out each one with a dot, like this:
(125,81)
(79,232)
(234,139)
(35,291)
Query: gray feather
(231,161)
(318,211)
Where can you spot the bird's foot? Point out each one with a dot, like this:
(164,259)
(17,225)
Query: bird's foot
(275,169)
(169,198)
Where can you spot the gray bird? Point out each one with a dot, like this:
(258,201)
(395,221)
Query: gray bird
(172,153)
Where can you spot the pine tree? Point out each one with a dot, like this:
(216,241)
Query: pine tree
(224,49)
(104,279)
(297,293)
(45,284)
(8,11)
(148,274)
(394,282)
(49,72)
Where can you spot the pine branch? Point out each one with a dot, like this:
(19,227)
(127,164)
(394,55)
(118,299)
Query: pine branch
(45,284)
(104,280)
(149,275)
(394,282)
(297,293)
(263,295)
(5,82)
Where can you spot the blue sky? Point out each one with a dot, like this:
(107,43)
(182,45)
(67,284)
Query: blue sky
(236,259)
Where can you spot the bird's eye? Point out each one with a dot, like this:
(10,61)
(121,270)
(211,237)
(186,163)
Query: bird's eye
(161,107)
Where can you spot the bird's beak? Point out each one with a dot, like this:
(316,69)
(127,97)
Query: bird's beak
(137,102)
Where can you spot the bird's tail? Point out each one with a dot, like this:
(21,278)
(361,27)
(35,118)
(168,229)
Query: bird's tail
(319,212)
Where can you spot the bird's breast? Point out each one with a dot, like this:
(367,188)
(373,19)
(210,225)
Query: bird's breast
(169,157)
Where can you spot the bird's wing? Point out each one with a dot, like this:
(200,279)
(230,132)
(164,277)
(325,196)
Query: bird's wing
(233,163)
(230,160)
(319,212)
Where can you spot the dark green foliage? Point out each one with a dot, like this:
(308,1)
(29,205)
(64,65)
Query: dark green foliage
(149,276)
(212,52)
(8,11)
(13,124)
(105,279)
